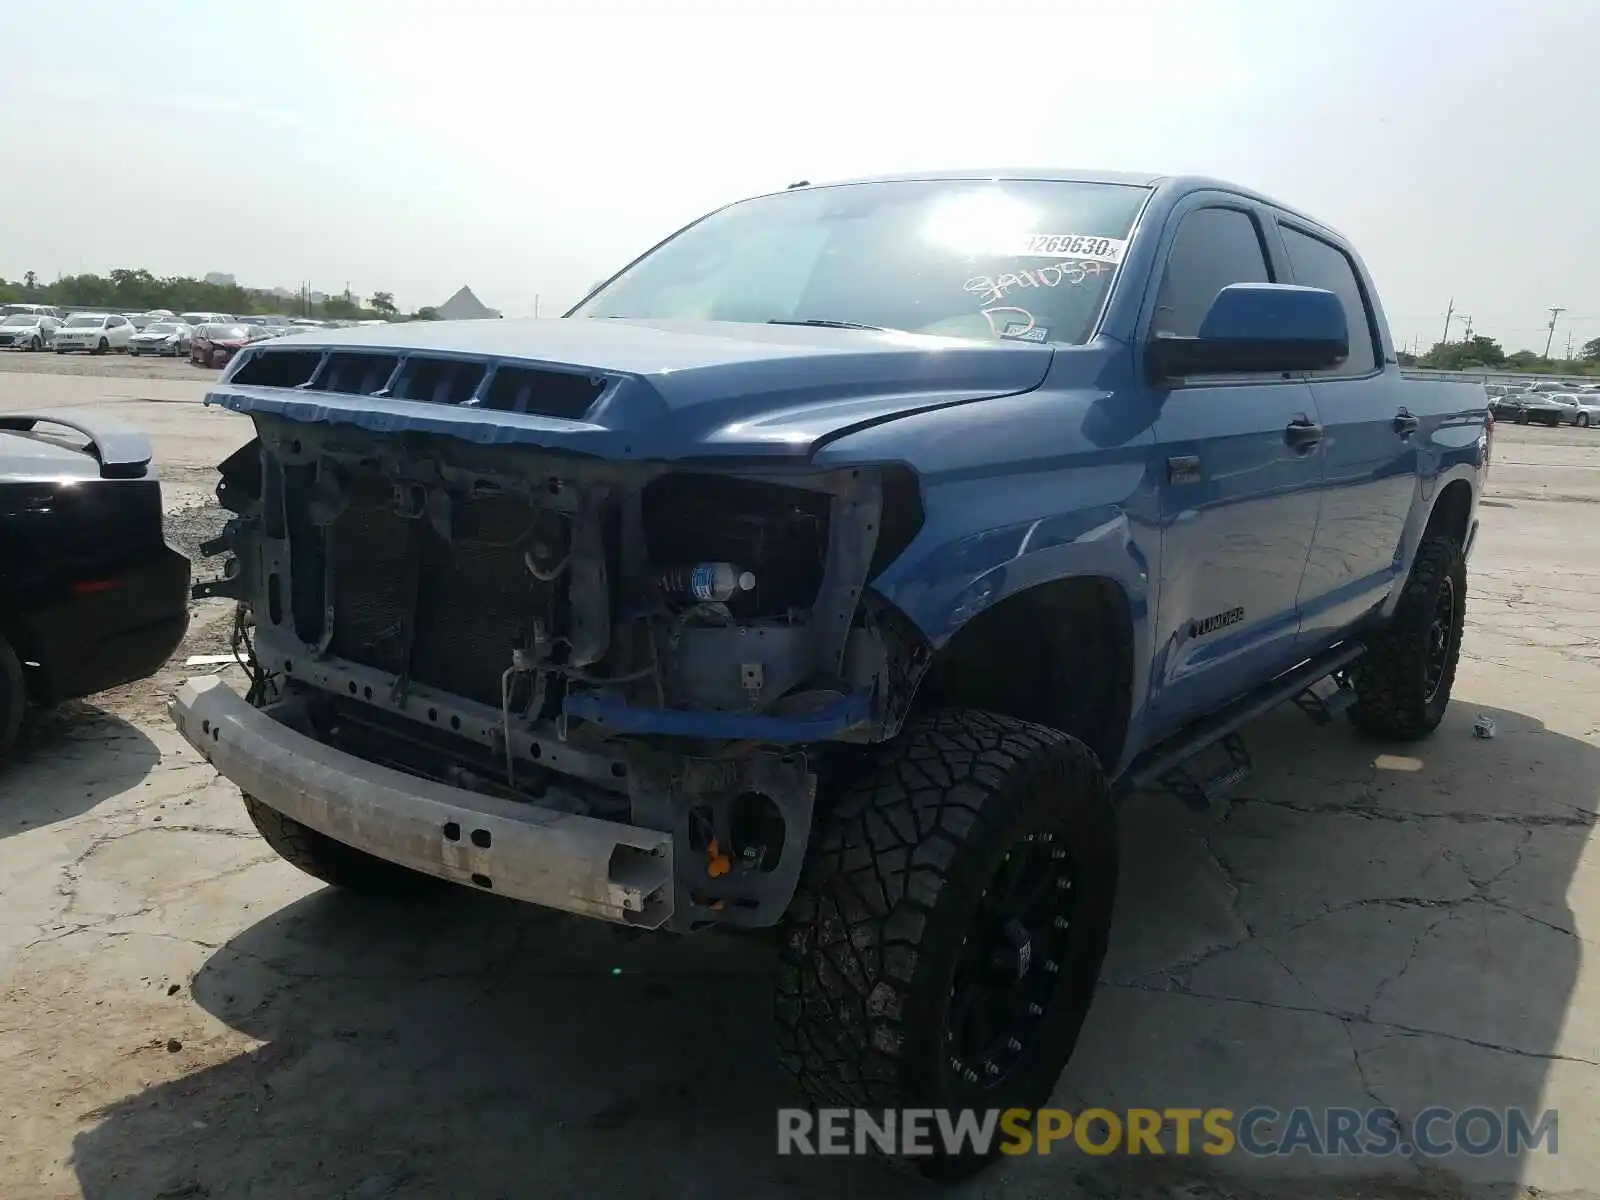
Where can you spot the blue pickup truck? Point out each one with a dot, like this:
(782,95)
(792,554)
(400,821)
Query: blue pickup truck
(831,569)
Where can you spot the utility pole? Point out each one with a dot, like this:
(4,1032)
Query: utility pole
(1467,337)
(1554,313)
(536,306)
(1448,313)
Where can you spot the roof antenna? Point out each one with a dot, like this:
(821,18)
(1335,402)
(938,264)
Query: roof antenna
(802,183)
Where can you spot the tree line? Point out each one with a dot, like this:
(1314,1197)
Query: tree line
(125,290)
(1485,353)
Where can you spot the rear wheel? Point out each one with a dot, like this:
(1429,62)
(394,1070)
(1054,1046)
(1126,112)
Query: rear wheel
(943,946)
(329,860)
(1403,681)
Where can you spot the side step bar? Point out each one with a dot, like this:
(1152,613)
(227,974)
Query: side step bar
(1164,764)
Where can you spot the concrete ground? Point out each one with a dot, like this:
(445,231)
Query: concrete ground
(181,1015)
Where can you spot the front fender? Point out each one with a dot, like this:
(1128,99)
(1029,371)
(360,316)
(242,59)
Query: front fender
(1020,491)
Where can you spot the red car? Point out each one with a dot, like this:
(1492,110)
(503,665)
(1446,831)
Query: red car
(214,345)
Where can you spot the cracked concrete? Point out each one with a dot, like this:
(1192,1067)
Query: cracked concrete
(1363,925)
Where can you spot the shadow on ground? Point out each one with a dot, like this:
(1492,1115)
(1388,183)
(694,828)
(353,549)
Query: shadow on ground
(1359,929)
(67,760)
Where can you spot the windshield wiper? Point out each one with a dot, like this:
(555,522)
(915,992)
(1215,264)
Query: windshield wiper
(819,323)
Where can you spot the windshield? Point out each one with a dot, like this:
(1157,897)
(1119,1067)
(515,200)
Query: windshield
(1027,260)
(85,322)
(20,319)
(226,333)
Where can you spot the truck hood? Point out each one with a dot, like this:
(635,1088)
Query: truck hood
(661,389)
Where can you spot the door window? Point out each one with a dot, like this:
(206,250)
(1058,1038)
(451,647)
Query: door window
(1213,248)
(1319,264)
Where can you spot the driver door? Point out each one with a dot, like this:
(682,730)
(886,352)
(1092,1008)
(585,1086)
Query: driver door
(1240,481)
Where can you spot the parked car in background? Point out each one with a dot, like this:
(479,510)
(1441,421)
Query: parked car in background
(215,344)
(162,337)
(1506,405)
(95,333)
(36,310)
(1582,408)
(1537,408)
(196,319)
(27,331)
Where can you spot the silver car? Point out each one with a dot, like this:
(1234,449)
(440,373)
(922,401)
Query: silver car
(162,338)
(28,331)
(1581,408)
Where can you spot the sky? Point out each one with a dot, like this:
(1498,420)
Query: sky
(530,148)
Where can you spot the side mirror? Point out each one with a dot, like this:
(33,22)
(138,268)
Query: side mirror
(1257,327)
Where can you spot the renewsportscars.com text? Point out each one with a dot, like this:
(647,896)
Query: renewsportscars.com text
(1259,1132)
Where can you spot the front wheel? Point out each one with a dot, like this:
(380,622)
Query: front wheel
(943,946)
(1583,421)
(36,345)
(1403,681)
(102,346)
(331,861)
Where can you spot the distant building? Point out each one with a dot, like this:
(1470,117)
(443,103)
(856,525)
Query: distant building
(464,306)
(218,279)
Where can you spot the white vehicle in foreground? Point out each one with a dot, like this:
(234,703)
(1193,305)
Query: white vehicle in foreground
(94,332)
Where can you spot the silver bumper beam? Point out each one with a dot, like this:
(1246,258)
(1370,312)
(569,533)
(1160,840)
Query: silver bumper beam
(576,864)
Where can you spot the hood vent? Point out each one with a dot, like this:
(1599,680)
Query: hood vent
(546,393)
(431,380)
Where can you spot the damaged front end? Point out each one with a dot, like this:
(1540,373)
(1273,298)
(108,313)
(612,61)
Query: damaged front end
(513,623)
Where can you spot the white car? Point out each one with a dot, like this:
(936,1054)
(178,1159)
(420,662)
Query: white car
(196,319)
(27,331)
(94,332)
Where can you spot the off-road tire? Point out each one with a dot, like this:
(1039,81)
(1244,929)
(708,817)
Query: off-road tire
(13,698)
(892,887)
(1394,695)
(330,860)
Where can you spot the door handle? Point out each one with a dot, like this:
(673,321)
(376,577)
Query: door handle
(1302,433)
(1405,424)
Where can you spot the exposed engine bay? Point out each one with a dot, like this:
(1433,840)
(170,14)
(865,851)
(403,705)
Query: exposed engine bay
(636,641)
